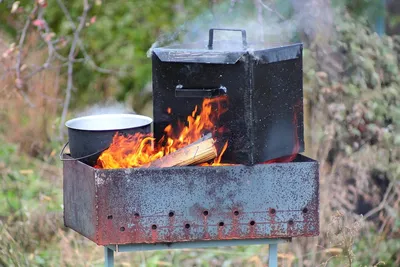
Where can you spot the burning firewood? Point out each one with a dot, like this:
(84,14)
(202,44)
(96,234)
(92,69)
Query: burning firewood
(201,151)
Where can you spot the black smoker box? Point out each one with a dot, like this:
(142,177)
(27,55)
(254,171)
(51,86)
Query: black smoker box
(264,88)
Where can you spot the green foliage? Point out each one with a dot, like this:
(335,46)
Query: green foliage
(118,39)
(367,94)
(371,9)
(384,253)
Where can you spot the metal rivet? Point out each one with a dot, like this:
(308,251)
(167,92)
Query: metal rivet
(109,217)
(122,229)
(187,226)
(205,213)
(154,227)
(252,222)
(221,224)
(305,210)
(171,214)
(291,222)
(236,213)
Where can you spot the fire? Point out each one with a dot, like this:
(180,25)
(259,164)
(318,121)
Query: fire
(140,149)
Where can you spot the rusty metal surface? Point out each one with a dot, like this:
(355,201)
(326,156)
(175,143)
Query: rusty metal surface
(79,198)
(199,203)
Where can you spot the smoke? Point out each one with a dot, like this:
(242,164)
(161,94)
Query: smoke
(315,19)
(109,107)
(267,23)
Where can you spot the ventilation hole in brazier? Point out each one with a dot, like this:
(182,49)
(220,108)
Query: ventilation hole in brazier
(187,226)
(221,224)
(291,222)
(154,227)
(122,229)
(236,213)
(272,211)
(305,210)
(205,213)
(109,217)
(171,214)
(252,222)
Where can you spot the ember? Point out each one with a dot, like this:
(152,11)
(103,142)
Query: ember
(140,149)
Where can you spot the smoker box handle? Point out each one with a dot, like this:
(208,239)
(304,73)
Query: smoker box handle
(182,92)
(211,36)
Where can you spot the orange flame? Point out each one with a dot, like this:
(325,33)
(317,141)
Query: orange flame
(140,149)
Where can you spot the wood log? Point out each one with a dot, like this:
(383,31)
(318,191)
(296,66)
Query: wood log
(198,152)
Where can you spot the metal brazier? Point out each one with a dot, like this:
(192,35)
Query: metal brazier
(158,205)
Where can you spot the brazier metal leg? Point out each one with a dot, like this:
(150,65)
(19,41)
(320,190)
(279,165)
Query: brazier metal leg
(108,257)
(272,259)
(273,255)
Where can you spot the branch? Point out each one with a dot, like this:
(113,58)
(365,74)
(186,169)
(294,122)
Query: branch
(381,205)
(50,44)
(19,82)
(71,58)
(280,16)
(81,46)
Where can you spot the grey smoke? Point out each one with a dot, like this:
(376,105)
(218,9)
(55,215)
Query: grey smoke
(108,107)
(264,25)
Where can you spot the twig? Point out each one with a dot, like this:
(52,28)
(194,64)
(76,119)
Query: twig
(50,45)
(50,50)
(87,57)
(381,205)
(280,16)
(71,57)
(18,62)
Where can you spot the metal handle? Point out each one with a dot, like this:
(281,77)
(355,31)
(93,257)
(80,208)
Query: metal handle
(182,92)
(211,36)
(62,152)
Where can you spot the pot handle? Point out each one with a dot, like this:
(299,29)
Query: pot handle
(211,36)
(62,152)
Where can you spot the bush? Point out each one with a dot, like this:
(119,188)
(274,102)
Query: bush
(354,99)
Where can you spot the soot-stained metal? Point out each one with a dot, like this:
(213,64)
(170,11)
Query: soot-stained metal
(164,205)
(264,88)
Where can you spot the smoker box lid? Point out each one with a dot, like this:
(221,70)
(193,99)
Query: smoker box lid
(199,53)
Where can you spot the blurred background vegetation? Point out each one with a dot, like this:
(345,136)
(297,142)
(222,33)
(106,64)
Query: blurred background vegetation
(352,101)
